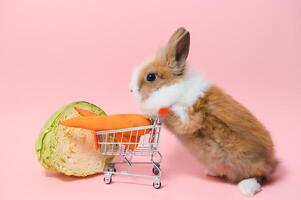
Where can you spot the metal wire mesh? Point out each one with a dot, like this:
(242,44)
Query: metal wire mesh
(143,140)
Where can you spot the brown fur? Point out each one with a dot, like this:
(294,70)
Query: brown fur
(219,131)
(226,137)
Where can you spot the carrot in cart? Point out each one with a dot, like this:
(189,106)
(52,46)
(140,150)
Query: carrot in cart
(107,122)
(95,140)
(83,112)
(127,138)
(111,122)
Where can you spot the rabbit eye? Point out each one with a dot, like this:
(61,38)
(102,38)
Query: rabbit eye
(151,77)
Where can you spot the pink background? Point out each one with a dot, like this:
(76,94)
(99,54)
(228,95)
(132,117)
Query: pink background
(55,52)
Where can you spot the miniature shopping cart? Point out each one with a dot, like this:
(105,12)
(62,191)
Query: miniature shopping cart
(129,143)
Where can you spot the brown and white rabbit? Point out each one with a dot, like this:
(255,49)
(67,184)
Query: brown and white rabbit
(218,130)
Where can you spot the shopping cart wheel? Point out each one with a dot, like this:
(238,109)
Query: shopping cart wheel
(155,170)
(107,179)
(157,184)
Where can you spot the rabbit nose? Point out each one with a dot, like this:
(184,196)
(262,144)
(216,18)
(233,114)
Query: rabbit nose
(131,91)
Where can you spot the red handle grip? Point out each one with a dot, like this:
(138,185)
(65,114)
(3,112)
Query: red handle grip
(163,112)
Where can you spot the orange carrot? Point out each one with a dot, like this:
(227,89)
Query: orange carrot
(107,122)
(84,113)
(95,140)
(129,137)
(110,122)
(126,138)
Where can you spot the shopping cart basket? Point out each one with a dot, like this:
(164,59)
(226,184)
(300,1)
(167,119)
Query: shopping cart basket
(131,142)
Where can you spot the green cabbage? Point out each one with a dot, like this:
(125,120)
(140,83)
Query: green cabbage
(70,150)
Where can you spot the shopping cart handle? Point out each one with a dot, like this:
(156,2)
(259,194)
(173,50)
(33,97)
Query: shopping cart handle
(163,112)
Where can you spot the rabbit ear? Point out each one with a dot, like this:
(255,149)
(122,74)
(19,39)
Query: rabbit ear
(177,49)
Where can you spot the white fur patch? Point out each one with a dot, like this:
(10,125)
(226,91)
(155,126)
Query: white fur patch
(178,96)
(135,76)
(249,187)
(180,111)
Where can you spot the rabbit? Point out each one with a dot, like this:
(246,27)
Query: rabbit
(219,131)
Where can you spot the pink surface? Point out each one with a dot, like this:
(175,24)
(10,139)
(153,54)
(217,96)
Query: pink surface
(55,52)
